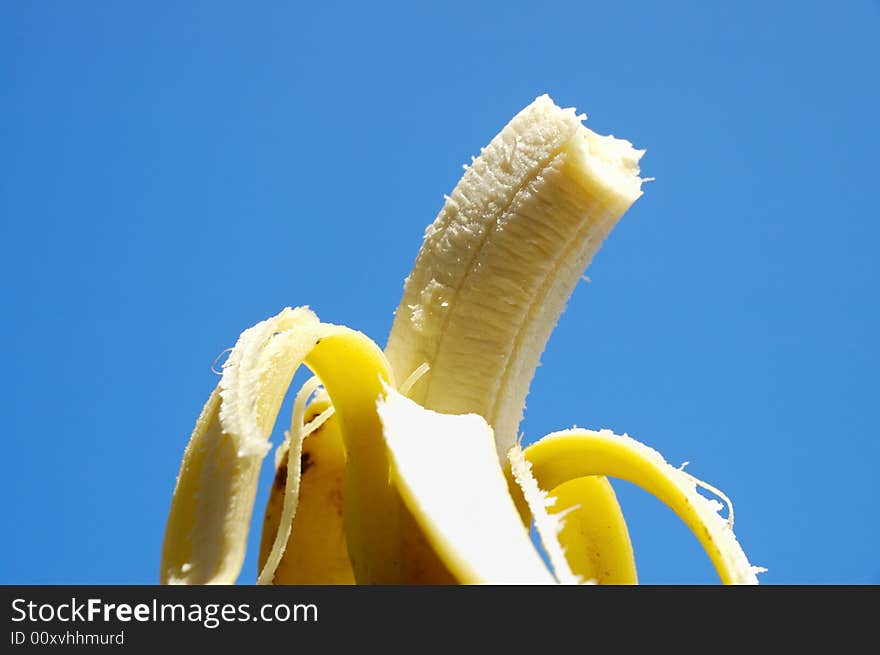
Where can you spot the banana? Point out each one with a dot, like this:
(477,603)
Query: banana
(500,260)
(425,482)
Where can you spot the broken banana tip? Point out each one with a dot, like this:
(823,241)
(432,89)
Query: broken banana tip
(426,480)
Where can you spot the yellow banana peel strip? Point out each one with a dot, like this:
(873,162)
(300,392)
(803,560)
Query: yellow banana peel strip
(569,455)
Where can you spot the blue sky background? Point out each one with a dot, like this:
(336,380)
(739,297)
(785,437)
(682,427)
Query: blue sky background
(173,172)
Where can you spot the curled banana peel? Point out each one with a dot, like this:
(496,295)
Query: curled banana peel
(563,457)
(405,468)
(214,497)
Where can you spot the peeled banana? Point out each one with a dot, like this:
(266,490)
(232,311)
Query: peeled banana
(407,468)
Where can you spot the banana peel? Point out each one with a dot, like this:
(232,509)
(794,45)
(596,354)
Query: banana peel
(424,481)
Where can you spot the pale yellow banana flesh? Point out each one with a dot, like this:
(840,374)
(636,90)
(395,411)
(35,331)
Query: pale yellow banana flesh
(501,260)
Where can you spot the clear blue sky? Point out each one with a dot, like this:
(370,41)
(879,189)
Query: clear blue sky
(174,172)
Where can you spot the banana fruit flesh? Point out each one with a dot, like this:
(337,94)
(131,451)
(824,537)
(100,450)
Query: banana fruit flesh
(501,259)
(427,484)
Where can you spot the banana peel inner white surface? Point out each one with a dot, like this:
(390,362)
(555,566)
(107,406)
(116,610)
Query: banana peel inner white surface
(447,471)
